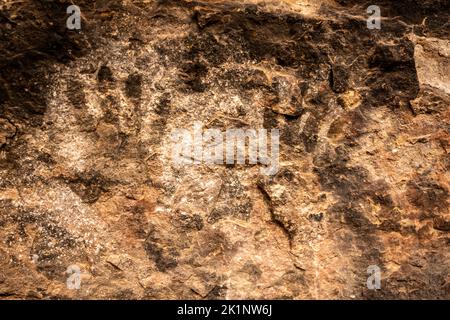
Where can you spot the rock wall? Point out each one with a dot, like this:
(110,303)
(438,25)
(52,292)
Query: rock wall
(87,183)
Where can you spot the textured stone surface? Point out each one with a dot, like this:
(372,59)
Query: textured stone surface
(85,124)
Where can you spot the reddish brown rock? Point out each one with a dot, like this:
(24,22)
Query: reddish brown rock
(87,183)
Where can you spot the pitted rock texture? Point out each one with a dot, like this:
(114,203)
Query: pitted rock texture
(85,126)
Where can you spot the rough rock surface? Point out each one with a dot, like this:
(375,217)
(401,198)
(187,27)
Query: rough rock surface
(86,118)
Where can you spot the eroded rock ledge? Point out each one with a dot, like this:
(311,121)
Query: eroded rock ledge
(85,120)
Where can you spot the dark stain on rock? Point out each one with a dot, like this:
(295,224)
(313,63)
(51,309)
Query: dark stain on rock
(192,75)
(105,74)
(232,201)
(53,244)
(415,279)
(412,12)
(392,57)
(309,135)
(394,81)
(163,107)
(286,225)
(29,52)
(75,94)
(270,119)
(339,78)
(219,292)
(133,86)
(7,132)
(89,186)
(254,273)
(316,216)
(245,79)
(352,186)
(136,220)
(441,224)
(189,222)
(160,250)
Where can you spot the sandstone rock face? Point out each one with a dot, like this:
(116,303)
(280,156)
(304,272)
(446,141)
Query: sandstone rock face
(87,182)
